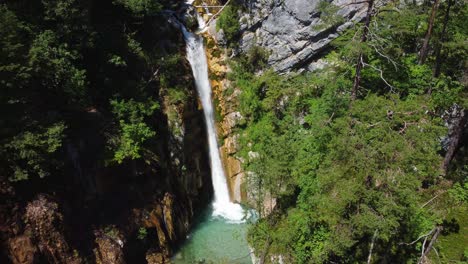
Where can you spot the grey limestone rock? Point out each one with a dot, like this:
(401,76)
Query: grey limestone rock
(288,29)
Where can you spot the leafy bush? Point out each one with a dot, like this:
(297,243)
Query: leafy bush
(141,7)
(33,152)
(228,21)
(176,95)
(134,131)
(142,233)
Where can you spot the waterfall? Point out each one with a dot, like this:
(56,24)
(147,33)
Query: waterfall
(222,206)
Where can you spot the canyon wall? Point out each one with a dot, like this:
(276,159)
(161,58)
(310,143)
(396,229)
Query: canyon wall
(137,211)
(295,37)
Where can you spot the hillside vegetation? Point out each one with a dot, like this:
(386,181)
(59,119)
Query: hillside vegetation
(355,154)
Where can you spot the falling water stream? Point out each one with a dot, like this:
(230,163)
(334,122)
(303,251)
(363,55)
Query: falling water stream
(222,205)
(219,235)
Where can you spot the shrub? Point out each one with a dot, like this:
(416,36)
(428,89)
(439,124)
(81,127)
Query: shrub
(229,22)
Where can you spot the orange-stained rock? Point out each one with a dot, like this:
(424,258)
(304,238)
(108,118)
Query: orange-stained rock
(155,220)
(108,250)
(228,105)
(231,144)
(45,224)
(168,204)
(22,250)
(157,258)
(238,187)
(233,166)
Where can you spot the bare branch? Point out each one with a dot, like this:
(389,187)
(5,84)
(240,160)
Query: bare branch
(425,252)
(423,248)
(220,10)
(411,243)
(384,56)
(432,199)
(381,75)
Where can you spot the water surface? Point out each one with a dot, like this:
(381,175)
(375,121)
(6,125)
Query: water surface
(215,240)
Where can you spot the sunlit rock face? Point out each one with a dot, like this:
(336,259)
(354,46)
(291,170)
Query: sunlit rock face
(292,30)
(226,99)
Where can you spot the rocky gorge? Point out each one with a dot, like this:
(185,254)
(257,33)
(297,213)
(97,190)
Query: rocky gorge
(139,211)
(133,212)
(143,209)
(294,36)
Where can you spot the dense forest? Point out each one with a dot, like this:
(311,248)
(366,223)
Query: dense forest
(92,151)
(365,158)
(59,59)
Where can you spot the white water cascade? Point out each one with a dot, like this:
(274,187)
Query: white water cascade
(222,205)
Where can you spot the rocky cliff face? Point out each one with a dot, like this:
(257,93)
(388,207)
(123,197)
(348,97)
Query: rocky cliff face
(295,36)
(292,30)
(134,212)
(228,116)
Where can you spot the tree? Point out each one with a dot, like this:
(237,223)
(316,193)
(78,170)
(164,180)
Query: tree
(55,63)
(141,7)
(360,62)
(228,21)
(33,153)
(443,36)
(134,131)
(425,47)
(456,139)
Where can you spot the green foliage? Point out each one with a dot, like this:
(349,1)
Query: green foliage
(142,233)
(112,232)
(141,7)
(32,152)
(255,59)
(134,132)
(228,21)
(459,192)
(328,15)
(452,244)
(346,173)
(55,63)
(169,71)
(117,61)
(356,172)
(131,139)
(176,95)
(13,70)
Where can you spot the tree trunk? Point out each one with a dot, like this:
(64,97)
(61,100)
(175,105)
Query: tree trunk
(359,65)
(456,140)
(369,258)
(431,244)
(425,47)
(443,34)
